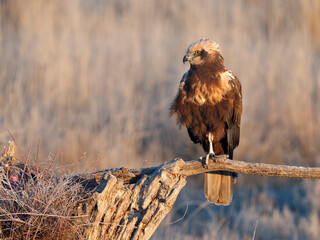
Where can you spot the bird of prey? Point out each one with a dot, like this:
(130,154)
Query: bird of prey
(209,104)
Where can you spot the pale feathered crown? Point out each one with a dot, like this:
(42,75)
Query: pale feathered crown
(206,44)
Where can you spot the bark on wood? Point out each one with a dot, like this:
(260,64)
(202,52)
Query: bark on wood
(132,211)
(197,166)
(131,203)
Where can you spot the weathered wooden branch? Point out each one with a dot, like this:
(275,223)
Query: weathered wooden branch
(132,211)
(131,203)
(222,163)
(117,203)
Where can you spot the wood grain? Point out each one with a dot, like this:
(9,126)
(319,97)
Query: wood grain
(131,203)
(197,166)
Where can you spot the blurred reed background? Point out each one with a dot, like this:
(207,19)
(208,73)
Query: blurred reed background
(98,77)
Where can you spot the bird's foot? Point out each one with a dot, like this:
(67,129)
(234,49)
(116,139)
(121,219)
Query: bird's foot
(206,160)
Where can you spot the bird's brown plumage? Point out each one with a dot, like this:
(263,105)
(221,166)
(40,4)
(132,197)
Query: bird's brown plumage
(209,100)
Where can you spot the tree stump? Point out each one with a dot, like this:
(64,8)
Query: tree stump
(132,210)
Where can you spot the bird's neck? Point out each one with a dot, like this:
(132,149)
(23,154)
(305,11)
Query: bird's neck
(213,64)
(213,67)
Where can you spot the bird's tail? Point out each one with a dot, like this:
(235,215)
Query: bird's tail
(218,187)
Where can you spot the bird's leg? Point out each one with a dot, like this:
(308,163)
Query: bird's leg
(211,152)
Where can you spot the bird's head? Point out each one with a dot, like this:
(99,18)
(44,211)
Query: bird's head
(202,51)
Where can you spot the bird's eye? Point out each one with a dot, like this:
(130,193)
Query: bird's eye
(196,52)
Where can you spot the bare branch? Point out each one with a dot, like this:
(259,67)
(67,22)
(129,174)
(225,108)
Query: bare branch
(222,163)
(131,203)
(262,169)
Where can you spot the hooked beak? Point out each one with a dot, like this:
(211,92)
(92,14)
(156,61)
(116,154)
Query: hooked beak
(186,58)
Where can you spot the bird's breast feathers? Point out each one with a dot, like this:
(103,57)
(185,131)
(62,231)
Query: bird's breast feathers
(199,91)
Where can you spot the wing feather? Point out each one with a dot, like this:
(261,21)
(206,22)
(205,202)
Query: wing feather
(233,126)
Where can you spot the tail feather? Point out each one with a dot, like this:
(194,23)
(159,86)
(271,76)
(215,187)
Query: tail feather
(218,187)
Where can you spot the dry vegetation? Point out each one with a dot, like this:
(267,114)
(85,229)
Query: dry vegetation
(42,209)
(98,77)
(35,203)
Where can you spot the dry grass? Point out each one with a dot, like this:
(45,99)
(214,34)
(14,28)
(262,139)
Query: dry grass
(283,212)
(35,203)
(38,205)
(98,77)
